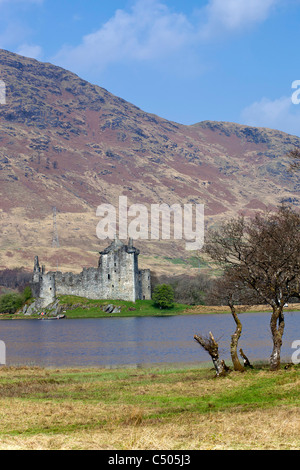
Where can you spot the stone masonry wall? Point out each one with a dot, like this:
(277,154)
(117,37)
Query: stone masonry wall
(117,277)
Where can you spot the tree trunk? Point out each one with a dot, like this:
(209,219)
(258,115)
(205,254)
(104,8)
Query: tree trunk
(220,367)
(234,342)
(211,346)
(277,329)
(246,360)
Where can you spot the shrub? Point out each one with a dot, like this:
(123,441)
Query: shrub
(27,294)
(163,296)
(10,303)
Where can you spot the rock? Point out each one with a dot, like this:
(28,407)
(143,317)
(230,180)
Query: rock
(31,309)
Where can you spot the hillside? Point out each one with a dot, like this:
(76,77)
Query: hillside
(67,143)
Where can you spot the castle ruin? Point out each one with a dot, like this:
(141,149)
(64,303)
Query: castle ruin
(117,277)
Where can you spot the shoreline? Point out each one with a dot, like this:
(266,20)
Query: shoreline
(192,310)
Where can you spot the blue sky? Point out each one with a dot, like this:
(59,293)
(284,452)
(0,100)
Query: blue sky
(222,60)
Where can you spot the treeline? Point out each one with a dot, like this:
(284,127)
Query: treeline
(190,290)
(16,279)
(199,289)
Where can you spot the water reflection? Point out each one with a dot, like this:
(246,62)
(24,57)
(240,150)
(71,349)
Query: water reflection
(131,341)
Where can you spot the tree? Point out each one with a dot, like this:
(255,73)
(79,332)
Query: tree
(229,290)
(163,296)
(211,346)
(27,294)
(265,257)
(10,303)
(16,278)
(188,289)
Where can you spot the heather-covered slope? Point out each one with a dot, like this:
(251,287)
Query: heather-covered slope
(67,143)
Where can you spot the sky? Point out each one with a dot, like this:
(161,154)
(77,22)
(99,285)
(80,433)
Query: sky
(186,61)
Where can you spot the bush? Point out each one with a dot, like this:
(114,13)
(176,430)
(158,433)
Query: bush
(10,303)
(163,296)
(27,294)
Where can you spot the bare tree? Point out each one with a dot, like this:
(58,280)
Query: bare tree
(264,253)
(229,290)
(211,346)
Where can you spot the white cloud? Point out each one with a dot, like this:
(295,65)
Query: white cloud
(151,31)
(30,50)
(233,15)
(280,114)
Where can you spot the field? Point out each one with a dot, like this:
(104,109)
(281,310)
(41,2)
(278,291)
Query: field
(146,409)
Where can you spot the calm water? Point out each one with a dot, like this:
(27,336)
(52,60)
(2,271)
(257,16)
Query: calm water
(137,341)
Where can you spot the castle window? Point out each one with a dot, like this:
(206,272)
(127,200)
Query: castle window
(108,277)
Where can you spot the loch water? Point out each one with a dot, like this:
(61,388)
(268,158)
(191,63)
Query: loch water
(138,341)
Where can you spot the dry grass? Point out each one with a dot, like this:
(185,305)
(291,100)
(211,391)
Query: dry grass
(200,309)
(144,410)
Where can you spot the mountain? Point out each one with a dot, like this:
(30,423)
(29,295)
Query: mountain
(68,144)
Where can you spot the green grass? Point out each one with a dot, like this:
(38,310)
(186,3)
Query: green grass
(80,307)
(193,261)
(169,391)
(150,408)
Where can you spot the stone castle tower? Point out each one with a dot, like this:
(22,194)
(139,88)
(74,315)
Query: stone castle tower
(117,277)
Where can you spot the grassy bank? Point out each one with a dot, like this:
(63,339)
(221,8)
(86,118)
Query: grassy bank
(148,409)
(80,307)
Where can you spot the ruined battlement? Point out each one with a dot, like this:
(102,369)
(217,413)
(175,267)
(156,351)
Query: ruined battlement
(116,277)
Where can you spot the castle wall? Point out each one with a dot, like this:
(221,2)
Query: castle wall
(86,284)
(145,283)
(117,277)
(47,290)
